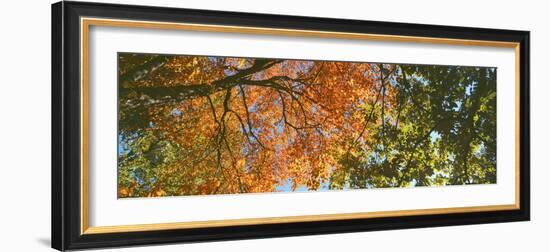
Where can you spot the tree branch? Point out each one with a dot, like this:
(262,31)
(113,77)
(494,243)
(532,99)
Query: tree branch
(248,120)
(139,72)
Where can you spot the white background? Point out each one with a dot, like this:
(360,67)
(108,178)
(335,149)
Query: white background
(25,127)
(106,210)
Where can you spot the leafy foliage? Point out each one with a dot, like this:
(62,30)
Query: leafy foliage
(193,125)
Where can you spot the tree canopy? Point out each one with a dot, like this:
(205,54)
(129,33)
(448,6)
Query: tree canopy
(192,125)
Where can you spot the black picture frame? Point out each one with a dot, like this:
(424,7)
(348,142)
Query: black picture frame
(66,155)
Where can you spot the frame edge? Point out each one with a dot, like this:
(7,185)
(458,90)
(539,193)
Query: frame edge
(57,126)
(525,123)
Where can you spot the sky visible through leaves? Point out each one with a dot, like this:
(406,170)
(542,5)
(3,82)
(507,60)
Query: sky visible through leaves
(198,125)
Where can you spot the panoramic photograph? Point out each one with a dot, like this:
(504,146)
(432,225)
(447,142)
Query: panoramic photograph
(206,125)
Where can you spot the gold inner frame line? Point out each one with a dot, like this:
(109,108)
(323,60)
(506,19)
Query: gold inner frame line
(85,24)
